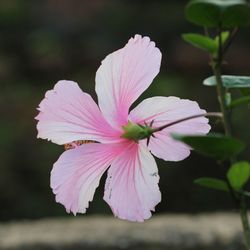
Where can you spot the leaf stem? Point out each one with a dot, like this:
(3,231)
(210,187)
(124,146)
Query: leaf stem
(216,66)
(233,34)
(244,220)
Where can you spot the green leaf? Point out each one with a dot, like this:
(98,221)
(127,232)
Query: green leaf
(210,81)
(212,183)
(240,101)
(238,174)
(201,42)
(213,13)
(214,145)
(224,37)
(229,81)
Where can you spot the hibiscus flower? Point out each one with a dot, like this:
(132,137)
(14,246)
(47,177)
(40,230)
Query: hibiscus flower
(68,115)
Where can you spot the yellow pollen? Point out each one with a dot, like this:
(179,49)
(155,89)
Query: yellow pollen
(75,144)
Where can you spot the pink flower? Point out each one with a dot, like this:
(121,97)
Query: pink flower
(67,115)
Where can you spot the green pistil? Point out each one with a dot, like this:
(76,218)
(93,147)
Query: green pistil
(136,132)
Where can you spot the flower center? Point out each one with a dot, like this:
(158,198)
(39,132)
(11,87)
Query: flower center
(136,132)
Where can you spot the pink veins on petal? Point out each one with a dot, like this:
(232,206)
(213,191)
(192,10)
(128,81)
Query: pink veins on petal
(67,115)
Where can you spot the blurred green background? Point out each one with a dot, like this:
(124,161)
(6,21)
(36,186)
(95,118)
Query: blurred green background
(42,42)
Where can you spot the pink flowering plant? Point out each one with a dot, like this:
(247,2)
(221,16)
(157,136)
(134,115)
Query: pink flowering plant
(120,140)
(113,137)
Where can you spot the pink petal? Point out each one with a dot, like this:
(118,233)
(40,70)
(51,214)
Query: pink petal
(131,187)
(68,114)
(163,110)
(77,173)
(124,75)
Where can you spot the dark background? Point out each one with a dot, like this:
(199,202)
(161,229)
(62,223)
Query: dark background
(42,42)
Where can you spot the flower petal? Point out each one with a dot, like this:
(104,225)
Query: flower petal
(77,173)
(131,187)
(124,75)
(163,110)
(68,114)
